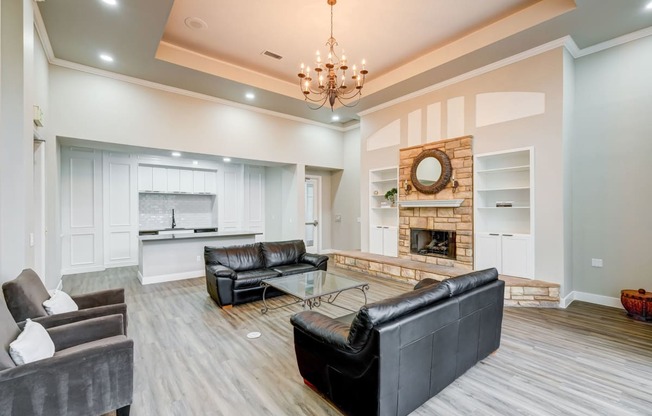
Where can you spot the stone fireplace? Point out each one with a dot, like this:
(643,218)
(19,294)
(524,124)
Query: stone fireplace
(436,243)
(455,221)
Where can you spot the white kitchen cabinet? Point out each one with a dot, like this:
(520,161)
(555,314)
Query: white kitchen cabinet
(210,182)
(185,180)
(510,254)
(173,180)
(159,179)
(383,240)
(145,179)
(198,181)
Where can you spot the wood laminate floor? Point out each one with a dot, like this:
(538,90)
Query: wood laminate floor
(192,358)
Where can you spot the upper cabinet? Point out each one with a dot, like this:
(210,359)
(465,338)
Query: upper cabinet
(176,180)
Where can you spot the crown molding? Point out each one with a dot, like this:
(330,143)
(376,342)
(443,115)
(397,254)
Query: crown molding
(472,74)
(42,33)
(639,34)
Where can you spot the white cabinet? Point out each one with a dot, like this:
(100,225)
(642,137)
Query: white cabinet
(173,180)
(185,180)
(159,180)
(198,180)
(145,179)
(383,216)
(210,182)
(504,212)
(176,180)
(383,240)
(510,254)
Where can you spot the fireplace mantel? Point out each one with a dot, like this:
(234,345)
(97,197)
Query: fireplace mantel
(436,203)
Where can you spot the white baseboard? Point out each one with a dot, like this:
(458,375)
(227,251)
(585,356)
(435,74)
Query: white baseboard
(591,298)
(88,269)
(169,277)
(60,284)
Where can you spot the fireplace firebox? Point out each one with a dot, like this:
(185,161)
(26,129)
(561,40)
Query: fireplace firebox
(432,243)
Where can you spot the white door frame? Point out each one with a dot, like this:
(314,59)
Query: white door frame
(318,229)
(38,233)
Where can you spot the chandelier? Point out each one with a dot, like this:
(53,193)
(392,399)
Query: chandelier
(331,83)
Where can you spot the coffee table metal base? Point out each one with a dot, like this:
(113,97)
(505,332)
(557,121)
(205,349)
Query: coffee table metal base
(313,302)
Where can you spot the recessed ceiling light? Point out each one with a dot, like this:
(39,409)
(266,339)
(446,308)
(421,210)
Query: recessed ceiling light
(176,154)
(227,159)
(111,2)
(195,23)
(335,118)
(250,96)
(649,6)
(106,58)
(194,162)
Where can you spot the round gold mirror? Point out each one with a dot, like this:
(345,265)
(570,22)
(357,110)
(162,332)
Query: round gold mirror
(431,171)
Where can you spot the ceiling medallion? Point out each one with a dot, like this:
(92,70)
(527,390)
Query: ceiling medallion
(327,87)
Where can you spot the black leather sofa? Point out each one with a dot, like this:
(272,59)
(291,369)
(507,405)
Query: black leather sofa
(233,274)
(393,355)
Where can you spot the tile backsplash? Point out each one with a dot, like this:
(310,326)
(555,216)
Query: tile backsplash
(190,211)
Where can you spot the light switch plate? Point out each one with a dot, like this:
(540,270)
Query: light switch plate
(596,262)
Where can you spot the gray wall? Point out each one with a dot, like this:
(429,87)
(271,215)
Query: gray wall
(612,167)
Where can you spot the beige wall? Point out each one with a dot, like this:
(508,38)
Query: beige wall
(92,107)
(345,193)
(541,74)
(611,156)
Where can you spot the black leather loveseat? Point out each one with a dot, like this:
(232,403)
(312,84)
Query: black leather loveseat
(233,274)
(396,354)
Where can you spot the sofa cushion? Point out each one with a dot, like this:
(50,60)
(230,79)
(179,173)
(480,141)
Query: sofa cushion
(384,311)
(252,278)
(466,282)
(425,283)
(25,296)
(283,252)
(33,344)
(245,257)
(294,268)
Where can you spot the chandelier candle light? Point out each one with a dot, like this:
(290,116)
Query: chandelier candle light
(327,88)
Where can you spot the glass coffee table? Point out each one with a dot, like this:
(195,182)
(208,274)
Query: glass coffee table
(313,288)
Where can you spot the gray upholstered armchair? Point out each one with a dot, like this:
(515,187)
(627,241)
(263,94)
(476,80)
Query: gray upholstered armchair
(26,293)
(91,372)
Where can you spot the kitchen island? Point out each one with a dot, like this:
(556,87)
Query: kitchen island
(176,255)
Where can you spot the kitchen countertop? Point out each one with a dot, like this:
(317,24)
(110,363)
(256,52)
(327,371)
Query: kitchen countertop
(184,236)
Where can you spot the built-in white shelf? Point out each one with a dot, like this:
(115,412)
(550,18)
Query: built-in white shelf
(504,236)
(516,188)
(383,220)
(507,169)
(175,193)
(390,180)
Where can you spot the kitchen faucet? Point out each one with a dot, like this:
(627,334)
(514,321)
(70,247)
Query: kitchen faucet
(174,223)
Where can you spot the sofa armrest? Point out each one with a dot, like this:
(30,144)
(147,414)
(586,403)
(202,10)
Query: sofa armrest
(218,270)
(70,335)
(51,321)
(101,298)
(323,329)
(317,260)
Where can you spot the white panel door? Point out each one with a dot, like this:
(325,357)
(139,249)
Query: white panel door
(231,202)
(185,180)
(198,181)
(488,251)
(120,210)
(145,178)
(254,199)
(81,210)
(516,255)
(390,241)
(159,179)
(376,239)
(173,180)
(312,212)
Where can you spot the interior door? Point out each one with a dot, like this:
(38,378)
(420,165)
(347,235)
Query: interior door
(312,231)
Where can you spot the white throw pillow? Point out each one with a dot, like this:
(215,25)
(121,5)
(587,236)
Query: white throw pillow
(33,344)
(60,302)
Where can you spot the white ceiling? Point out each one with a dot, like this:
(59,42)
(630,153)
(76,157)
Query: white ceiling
(409,45)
